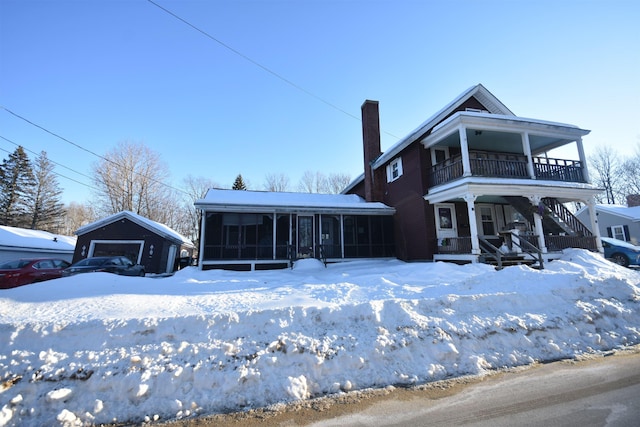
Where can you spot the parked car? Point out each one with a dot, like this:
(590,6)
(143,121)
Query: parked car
(621,252)
(21,272)
(108,264)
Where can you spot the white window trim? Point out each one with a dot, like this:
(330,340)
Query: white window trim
(433,154)
(492,210)
(618,229)
(398,162)
(92,246)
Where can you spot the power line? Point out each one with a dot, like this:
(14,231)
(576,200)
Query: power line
(259,65)
(52,161)
(89,151)
(51,133)
(57,173)
(254,62)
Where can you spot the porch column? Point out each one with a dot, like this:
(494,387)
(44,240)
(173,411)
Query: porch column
(342,235)
(583,163)
(593,215)
(464,148)
(273,236)
(526,148)
(473,224)
(537,220)
(203,219)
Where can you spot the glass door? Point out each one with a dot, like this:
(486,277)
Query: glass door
(446,224)
(305,236)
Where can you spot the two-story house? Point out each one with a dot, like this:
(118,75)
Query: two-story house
(475,182)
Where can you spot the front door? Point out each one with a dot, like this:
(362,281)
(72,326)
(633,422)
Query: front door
(446,224)
(486,219)
(305,236)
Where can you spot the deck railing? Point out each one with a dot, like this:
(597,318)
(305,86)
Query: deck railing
(558,169)
(454,245)
(506,165)
(557,243)
(462,245)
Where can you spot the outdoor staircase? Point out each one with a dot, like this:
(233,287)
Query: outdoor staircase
(491,254)
(508,260)
(556,218)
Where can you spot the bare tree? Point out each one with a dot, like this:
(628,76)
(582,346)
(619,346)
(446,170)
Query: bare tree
(630,174)
(312,182)
(336,182)
(276,182)
(317,182)
(606,165)
(131,177)
(194,189)
(76,216)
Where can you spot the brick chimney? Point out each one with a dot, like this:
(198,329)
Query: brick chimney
(633,200)
(371,145)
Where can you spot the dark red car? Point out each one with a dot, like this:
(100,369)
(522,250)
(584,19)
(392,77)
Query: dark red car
(24,271)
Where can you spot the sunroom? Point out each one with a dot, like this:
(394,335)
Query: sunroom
(491,176)
(253,230)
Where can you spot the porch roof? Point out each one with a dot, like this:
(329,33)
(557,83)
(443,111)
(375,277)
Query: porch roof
(491,189)
(502,132)
(269,201)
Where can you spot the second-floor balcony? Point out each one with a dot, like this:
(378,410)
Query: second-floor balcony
(508,166)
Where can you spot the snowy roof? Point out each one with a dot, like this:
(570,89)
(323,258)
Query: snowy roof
(261,201)
(14,237)
(632,213)
(156,227)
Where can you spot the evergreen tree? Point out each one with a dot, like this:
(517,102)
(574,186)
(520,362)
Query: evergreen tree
(16,183)
(46,209)
(238,184)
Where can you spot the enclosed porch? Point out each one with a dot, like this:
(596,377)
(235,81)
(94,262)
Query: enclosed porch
(245,230)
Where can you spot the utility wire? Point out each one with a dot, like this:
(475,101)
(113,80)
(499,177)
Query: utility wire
(52,161)
(89,151)
(259,65)
(57,173)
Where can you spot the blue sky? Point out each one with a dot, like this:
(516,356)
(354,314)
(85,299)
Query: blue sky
(100,72)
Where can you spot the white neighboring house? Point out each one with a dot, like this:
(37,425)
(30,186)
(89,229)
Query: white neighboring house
(616,221)
(18,243)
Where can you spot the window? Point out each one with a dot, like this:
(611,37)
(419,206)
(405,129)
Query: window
(487,220)
(394,169)
(617,232)
(445,218)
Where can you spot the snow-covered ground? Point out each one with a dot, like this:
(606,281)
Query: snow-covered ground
(99,348)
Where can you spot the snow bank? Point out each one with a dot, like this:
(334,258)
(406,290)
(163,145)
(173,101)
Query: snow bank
(100,348)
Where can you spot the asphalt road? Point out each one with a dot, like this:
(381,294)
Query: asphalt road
(599,391)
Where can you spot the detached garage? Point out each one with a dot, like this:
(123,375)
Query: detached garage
(157,247)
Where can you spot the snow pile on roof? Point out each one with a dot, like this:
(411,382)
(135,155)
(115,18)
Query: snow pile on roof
(35,239)
(157,227)
(98,348)
(632,213)
(272,198)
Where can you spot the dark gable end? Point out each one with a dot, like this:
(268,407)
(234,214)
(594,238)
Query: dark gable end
(415,238)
